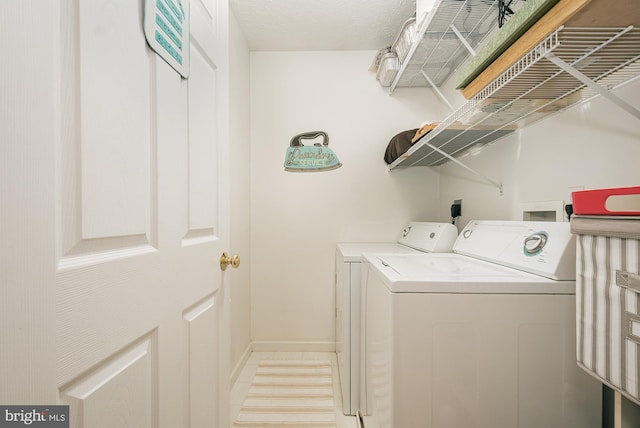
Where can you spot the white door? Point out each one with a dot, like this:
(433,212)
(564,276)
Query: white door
(113,216)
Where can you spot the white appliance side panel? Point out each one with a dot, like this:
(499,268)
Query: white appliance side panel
(355,339)
(378,353)
(348,286)
(342,328)
(348,257)
(500,361)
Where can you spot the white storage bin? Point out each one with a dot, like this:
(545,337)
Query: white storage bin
(608,300)
(387,69)
(405,39)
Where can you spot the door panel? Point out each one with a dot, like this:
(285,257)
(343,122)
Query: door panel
(202,354)
(107,140)
(114,89)
(203,136)
(210,8)
(113,299)
(126,380)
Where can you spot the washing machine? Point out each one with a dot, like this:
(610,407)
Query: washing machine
(482,337)
(417,237)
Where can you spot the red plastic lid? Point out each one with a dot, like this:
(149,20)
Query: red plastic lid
(616,201)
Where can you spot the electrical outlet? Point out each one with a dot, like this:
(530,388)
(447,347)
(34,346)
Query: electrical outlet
(456,208)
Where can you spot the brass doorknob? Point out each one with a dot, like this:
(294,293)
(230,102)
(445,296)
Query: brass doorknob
(225,261)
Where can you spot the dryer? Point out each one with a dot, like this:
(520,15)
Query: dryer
(417,237)
(482,337)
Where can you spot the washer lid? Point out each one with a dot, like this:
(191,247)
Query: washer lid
(416,237)
(453,273)
(352,252)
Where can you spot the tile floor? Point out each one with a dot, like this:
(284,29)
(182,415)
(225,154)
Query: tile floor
(243,382)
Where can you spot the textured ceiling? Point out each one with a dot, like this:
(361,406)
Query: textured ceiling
(309,25)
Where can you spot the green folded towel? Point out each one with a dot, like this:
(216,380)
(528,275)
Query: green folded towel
(516,26)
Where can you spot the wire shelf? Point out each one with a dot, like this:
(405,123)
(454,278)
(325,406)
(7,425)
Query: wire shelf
(534,88)
(438,51)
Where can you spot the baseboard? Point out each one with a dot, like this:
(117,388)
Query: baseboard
(269,346)
(241,363)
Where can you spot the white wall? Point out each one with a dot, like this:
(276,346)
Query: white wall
(239,151)
(297,218)
(592,145)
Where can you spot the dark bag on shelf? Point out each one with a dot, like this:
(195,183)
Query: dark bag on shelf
(398,145)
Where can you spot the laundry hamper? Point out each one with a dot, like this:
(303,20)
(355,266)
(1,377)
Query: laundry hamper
(608,300)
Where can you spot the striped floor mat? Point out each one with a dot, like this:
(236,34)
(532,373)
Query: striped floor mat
(291,394)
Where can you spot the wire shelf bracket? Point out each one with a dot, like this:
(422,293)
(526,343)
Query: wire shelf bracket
(438,91)
(473,171)
(462,39)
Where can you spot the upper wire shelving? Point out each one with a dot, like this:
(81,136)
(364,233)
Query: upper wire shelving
(448,35)
(571,65)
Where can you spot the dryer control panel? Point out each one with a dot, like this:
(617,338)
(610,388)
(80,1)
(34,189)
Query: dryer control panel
(542,248)
(429,237)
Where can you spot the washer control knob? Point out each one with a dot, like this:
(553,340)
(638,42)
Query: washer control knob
(535,242)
